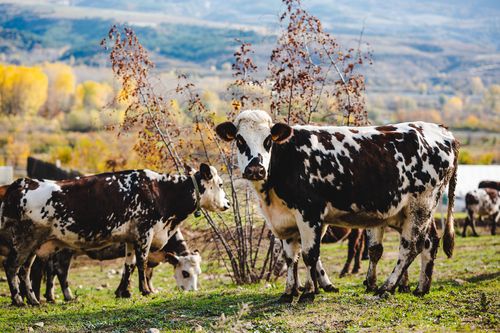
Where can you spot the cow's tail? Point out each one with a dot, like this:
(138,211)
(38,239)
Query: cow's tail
(449,229)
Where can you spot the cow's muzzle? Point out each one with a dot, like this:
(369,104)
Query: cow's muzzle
(254,170)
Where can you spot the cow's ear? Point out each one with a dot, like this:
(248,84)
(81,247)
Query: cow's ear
(226,131)
(205,172)
(171,258)
(281,133)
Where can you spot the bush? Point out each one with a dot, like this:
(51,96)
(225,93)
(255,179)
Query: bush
(82,121)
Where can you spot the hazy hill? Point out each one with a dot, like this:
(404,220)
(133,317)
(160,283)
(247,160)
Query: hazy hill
(432,42)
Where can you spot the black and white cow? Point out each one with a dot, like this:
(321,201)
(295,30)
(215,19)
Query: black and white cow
(140,208)
(363,177)
(483,202)
(176,252)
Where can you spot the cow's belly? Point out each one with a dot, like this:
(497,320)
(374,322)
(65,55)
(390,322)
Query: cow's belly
(69,239)
(393,218)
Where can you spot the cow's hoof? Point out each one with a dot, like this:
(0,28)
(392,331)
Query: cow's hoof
(307,297)
(404,289)
(419,293)
(50,300)
(475,235)
(33,302)
(123,293)
(370,288)
(146,292)
(342,274)
(383,292)
(286,299)
(331,289)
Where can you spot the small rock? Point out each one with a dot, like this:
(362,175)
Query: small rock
(153,330)
(80,286)
(31,329)
(98,288)
(199,328)
(105,285)
(3,279)
(460,282)
(112,272)
(39,324)
(267,286)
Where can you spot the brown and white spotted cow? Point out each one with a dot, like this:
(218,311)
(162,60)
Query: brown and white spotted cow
(483,202)
(140,208)
(365,177)
(176,252)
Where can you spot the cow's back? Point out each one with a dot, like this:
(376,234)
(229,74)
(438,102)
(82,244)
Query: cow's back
(371,169)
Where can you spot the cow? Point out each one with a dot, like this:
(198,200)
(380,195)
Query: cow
(484,202)
(307,177)
(140,208)
(186,265)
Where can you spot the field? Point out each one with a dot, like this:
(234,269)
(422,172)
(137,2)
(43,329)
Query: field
(465,296)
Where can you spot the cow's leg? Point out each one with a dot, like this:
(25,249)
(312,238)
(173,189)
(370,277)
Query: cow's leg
(324,280)
(291,253)
(494,220)
(473,225)
(24,275)
(310,236)
(358,251)
(50,276)
(149,278)
(36,276)
(351,248)
(413,236)
(375,250)
(427,257)
(62,264)
(141,254)
(403,284)
(123,290)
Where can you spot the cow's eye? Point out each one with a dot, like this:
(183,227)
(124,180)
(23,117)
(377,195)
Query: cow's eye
(268,142)
(185,274)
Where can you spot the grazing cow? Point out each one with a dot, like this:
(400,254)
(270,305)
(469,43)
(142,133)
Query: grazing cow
(365,177)
(355,245)
(489,184)
(484,202)
(186,267)
(140,208)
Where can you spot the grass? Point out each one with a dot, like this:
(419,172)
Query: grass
(465,296)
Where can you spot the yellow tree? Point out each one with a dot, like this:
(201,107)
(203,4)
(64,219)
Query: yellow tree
(23,90)
(61,90)
(93,95)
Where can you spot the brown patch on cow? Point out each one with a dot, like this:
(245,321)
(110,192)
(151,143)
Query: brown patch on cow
(32,185)
(355,131)
(375,252)
(339,136)
(386,128)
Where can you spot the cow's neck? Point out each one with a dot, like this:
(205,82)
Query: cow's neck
(177,196)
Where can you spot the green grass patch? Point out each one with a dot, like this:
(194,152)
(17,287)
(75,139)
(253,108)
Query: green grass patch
(465,296)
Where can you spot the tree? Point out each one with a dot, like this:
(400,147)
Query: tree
(23,90)
(61,90)
(93,95)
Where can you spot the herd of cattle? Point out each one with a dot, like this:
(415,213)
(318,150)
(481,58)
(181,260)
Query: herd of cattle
(305,177)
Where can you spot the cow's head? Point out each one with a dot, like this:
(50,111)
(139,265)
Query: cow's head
(186,269)
(254,133)
(212,195)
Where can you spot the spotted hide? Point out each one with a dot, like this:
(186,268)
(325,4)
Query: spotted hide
(365,177)
(140,208)
(483,202)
